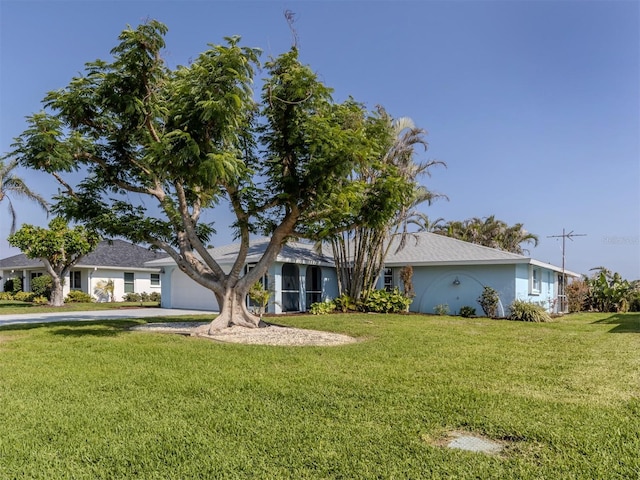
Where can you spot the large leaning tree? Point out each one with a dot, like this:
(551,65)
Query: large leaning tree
(162,146)
(59,247)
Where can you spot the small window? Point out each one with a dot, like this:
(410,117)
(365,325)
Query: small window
(155,279)
(128,282)
(75,280)
(536,280)
(388,279)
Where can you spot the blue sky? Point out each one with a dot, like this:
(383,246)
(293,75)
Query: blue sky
(533,105)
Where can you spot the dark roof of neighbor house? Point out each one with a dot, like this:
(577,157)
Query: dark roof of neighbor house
(108,253)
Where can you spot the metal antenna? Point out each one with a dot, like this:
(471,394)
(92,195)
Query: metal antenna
(564,237)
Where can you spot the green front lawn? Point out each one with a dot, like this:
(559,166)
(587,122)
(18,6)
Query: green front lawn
(12,307)
(93,400)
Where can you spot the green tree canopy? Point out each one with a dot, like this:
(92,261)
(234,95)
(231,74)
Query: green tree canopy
(59,247)
(161,146)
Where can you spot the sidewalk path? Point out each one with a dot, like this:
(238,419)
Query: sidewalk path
(17,319)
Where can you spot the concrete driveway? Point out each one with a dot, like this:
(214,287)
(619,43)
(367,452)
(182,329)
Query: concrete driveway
(16,319)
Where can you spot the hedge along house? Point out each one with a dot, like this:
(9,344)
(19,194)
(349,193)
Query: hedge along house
(297,278)
(116,260)
(454,273)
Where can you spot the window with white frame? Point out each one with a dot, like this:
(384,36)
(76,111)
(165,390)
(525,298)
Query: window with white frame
(75,280)
(129,282)
(155,279)
(535,281)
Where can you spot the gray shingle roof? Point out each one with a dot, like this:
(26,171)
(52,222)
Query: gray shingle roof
(432,249)
(108,253)
(293,252)
(421,249)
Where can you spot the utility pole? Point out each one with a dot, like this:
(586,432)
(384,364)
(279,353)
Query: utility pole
(562,296)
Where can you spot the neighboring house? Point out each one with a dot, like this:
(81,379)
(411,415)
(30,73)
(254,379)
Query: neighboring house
(116,260)
(445,271)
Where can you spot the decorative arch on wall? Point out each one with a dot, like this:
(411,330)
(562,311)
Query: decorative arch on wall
(443,290)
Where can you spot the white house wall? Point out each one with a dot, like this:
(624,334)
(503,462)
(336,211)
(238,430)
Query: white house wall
(89,279)
(180,291)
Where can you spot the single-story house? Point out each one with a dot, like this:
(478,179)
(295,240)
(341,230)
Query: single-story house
(117,260)
(446,271)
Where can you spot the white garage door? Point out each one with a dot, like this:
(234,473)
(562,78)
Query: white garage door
(186,293)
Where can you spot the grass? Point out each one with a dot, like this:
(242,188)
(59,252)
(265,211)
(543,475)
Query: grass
(94,401)
(11,307)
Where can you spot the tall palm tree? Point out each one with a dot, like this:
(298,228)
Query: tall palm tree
(11,185)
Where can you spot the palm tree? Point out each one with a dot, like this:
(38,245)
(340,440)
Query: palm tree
(11,185)
(360,252)
(489,232)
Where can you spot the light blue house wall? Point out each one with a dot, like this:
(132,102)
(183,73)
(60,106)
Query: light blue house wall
(459,286)
(543,293)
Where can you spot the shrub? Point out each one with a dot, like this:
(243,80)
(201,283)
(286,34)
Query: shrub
(467,311)
(132,297)
(41,286)
(489,301)
(6,296)
(260,296)
(41,300)
(528,312)
(441,309)
(322,308)
(155,297)
(344,303)
(634,302)
(382,301)
(77,296)
(23,296)
(577,293)
(13,285)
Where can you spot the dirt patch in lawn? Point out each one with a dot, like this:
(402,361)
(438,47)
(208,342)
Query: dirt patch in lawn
(270,335)
(471,442)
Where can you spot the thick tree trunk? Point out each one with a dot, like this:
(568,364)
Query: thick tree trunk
(57,295)
(234,312)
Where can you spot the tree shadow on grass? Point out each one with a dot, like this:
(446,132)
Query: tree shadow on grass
(625,322)
(78,328)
